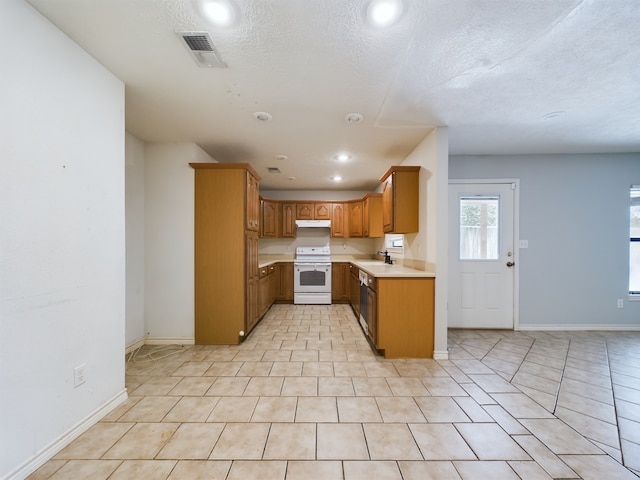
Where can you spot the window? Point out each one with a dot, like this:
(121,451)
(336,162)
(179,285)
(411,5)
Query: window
(479,216)
(394,241)
(634,241)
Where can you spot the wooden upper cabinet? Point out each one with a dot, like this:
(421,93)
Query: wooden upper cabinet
(400,200)
(288,220)
(372,216)
(321,211)
(253,203)
(304,211)
(355,218)
(338,219)
(270,218)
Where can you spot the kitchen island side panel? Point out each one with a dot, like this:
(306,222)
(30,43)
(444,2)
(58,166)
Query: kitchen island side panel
(405,317)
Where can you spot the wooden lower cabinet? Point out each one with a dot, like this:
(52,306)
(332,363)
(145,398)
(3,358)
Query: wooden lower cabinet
(226,218)
(340,282)
(283,281)
(354,290)
(372,315)
(264,290)
(405,317)
(252,282)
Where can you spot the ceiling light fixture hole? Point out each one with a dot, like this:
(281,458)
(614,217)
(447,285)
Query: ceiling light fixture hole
(353,118)
(262,116)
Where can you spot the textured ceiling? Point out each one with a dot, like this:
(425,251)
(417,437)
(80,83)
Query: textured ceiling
(490,70)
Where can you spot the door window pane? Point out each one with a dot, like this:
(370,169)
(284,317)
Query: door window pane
(479,226)
(634,246)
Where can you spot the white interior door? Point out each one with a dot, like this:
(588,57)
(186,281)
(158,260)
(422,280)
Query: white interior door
(481,255)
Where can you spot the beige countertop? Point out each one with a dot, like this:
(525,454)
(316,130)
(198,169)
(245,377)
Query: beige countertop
(376,268)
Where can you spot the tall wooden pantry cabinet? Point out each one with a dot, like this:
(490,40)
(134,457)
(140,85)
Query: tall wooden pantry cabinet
(227,223)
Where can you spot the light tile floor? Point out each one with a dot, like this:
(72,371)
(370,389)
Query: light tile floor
(304,397)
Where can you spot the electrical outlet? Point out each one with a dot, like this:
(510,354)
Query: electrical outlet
(78,375)
(620,303)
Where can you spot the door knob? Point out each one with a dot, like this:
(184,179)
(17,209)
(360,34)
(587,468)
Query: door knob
(510,264)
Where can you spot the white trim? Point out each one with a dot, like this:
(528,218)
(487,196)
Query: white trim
(169,341)
(516,235)
(44,455)
(580,327)
(438,355)
(134,346)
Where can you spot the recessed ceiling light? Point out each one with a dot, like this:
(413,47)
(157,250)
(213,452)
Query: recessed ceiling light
(220,13)
(336,178)
(281,157)
(353,118)
(343,157)
(383,13)
(262,116)
(291,178)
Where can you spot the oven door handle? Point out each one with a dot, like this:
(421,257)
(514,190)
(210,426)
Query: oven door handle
(316,265)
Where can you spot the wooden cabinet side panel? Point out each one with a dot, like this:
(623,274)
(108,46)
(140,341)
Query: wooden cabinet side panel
(405,317)
(406,202)
(219,265)
(387,205)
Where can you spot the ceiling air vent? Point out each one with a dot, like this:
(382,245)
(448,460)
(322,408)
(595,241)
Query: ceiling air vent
(200,45)
(273,169)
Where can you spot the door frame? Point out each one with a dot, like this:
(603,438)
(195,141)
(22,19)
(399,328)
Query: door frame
(516,234)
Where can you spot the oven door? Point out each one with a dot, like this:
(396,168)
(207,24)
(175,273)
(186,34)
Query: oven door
(312,277)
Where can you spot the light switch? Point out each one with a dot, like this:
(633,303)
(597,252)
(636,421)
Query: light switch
(524,243)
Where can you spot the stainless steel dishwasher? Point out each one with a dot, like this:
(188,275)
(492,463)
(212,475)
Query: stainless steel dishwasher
(364,295)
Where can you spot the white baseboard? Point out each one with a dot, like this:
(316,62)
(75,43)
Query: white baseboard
(134,346)
(580,327)
(441,355)
(41,457)
(169,341)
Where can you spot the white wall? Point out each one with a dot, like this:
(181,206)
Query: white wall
(428,248)
(62,244)
(134,201)
(169,240)
(574,211)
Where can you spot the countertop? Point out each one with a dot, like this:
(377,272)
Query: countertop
(375,268)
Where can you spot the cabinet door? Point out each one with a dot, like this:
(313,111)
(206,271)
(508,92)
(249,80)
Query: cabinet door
(387,205)
(355,219)
(337,220)
(340,282)
(288,220)
(273,284)
(263,292)
(286,280)
(253,204)
(354,290)
(372,216)
(322,211)
(270,218)
(304,211)
(253,279)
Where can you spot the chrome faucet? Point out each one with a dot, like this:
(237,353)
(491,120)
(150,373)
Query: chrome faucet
(387,257)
